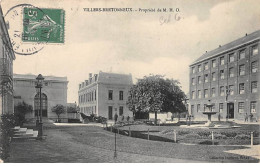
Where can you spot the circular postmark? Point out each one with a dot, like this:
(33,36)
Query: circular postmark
(28,28)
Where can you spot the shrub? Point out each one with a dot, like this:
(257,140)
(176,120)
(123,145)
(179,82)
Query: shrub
(229,134)
(183,132)
(242,136)
(204,134)
(220,136)
(192,136)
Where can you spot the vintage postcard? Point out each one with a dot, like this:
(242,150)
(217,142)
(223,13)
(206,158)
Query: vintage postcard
(129,81)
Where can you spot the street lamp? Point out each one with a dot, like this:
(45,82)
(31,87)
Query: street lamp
(39,85)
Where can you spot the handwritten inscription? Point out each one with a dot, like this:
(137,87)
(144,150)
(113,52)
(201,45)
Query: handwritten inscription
(166,20)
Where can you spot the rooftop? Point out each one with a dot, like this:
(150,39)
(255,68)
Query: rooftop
(229,46)
(33,77)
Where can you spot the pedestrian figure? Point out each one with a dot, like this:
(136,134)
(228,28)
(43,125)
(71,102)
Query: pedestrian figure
(246,117)
(251,117)
(219,116)
(123,118)
(172,117)
(115,117)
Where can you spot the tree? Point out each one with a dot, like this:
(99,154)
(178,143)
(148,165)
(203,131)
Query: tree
(58,109)
(21,109)
(155,94)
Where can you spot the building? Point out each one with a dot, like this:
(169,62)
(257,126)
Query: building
(105,94)
(6,69)
(228,78)
(54,92)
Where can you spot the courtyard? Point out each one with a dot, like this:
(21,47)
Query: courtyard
(90,143)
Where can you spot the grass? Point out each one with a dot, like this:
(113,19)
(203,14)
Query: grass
(232,136)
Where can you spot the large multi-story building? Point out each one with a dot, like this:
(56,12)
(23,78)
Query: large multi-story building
(105,94)
(228,79)
(6,69)
(54,92)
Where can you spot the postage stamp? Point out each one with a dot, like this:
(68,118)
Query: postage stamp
(43,25)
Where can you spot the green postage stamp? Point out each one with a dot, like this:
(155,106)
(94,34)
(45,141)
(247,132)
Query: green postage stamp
(43,25)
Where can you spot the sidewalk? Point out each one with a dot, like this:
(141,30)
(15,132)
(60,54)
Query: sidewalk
(251,151)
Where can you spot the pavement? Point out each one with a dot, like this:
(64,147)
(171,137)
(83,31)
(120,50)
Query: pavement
(250,151)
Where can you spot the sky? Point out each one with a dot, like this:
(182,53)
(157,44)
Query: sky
(138,43)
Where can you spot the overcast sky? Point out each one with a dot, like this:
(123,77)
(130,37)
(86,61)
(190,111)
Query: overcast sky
(137,42)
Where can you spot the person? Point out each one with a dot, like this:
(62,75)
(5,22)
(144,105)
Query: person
(246,117)
(127,118)
(123,118)
(172,117)
(115,117)
(251,117)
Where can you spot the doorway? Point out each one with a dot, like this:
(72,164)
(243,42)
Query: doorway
(110,112)
(230,110)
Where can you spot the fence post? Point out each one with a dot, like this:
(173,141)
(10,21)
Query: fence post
(212,137)
(148,135)
(174,136)
(252,138)
(129,132)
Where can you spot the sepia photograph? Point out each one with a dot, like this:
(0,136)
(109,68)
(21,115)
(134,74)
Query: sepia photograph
(129,81)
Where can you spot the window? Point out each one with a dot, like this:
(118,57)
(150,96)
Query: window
(253,107)
(254,67)
(214,63)
(198,108)
(221,106)
(192,109)
(199,68)
(242,70)
(206,95)
(222,91)
(222,76)
(254,87)
(121,110)
(95,95)
(193,70)
(231,72)
(193,95)
(214,76)
(231,58)
(231,89)
(242,54)
(213,92)
(241,88)
(222,61)
(199,79)
(110,95)
(199,94)
(193,81)
(206,78)
(241,106)
(206,66)
(121,95)
(254,50)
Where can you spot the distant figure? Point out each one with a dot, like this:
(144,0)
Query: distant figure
(219,117)
(172,117)
(127,118)
(115,117)
(251,117)
(123,118)
(246,117)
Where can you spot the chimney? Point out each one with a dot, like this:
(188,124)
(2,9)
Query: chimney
(246,34)
(95,75)
(90,75)
(86,82)
(79,86)
(90,78)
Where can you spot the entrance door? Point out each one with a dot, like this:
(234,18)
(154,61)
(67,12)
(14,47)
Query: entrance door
(230,110)
(110,112)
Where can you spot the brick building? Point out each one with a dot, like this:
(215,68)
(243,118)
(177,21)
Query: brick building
(105,94)
(6,69)
(229,77)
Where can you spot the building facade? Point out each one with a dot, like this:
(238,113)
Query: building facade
(7,57)
(105,94)
(228,79)
(54,92)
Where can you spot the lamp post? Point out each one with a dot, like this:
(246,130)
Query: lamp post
(38,93)
(39,86)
